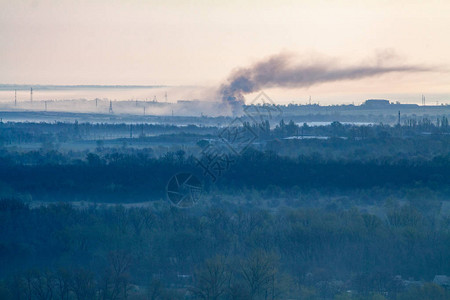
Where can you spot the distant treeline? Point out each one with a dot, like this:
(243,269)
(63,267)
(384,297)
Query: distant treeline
(138,176)
(21,133)
(61,132)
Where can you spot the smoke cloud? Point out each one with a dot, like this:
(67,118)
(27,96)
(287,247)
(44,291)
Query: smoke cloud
(286,70)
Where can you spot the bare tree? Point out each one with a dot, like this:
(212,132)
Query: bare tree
(116,278)
(212,279)
(83,285)
(42,285)
(63,279)
(258,272)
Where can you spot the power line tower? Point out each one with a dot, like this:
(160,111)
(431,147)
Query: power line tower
(110,107)
(15,97)
(31,94)
(165,96)
(45,102)
(423,100)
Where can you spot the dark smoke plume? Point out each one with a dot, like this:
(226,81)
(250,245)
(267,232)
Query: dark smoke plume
(281,71)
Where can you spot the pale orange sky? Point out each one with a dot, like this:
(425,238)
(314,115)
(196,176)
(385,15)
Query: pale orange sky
(200,42)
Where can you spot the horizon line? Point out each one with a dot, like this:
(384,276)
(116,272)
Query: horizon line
(4,86)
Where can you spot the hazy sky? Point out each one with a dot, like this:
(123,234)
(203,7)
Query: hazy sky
(201,42)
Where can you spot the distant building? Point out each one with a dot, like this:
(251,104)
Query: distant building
(375,103)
